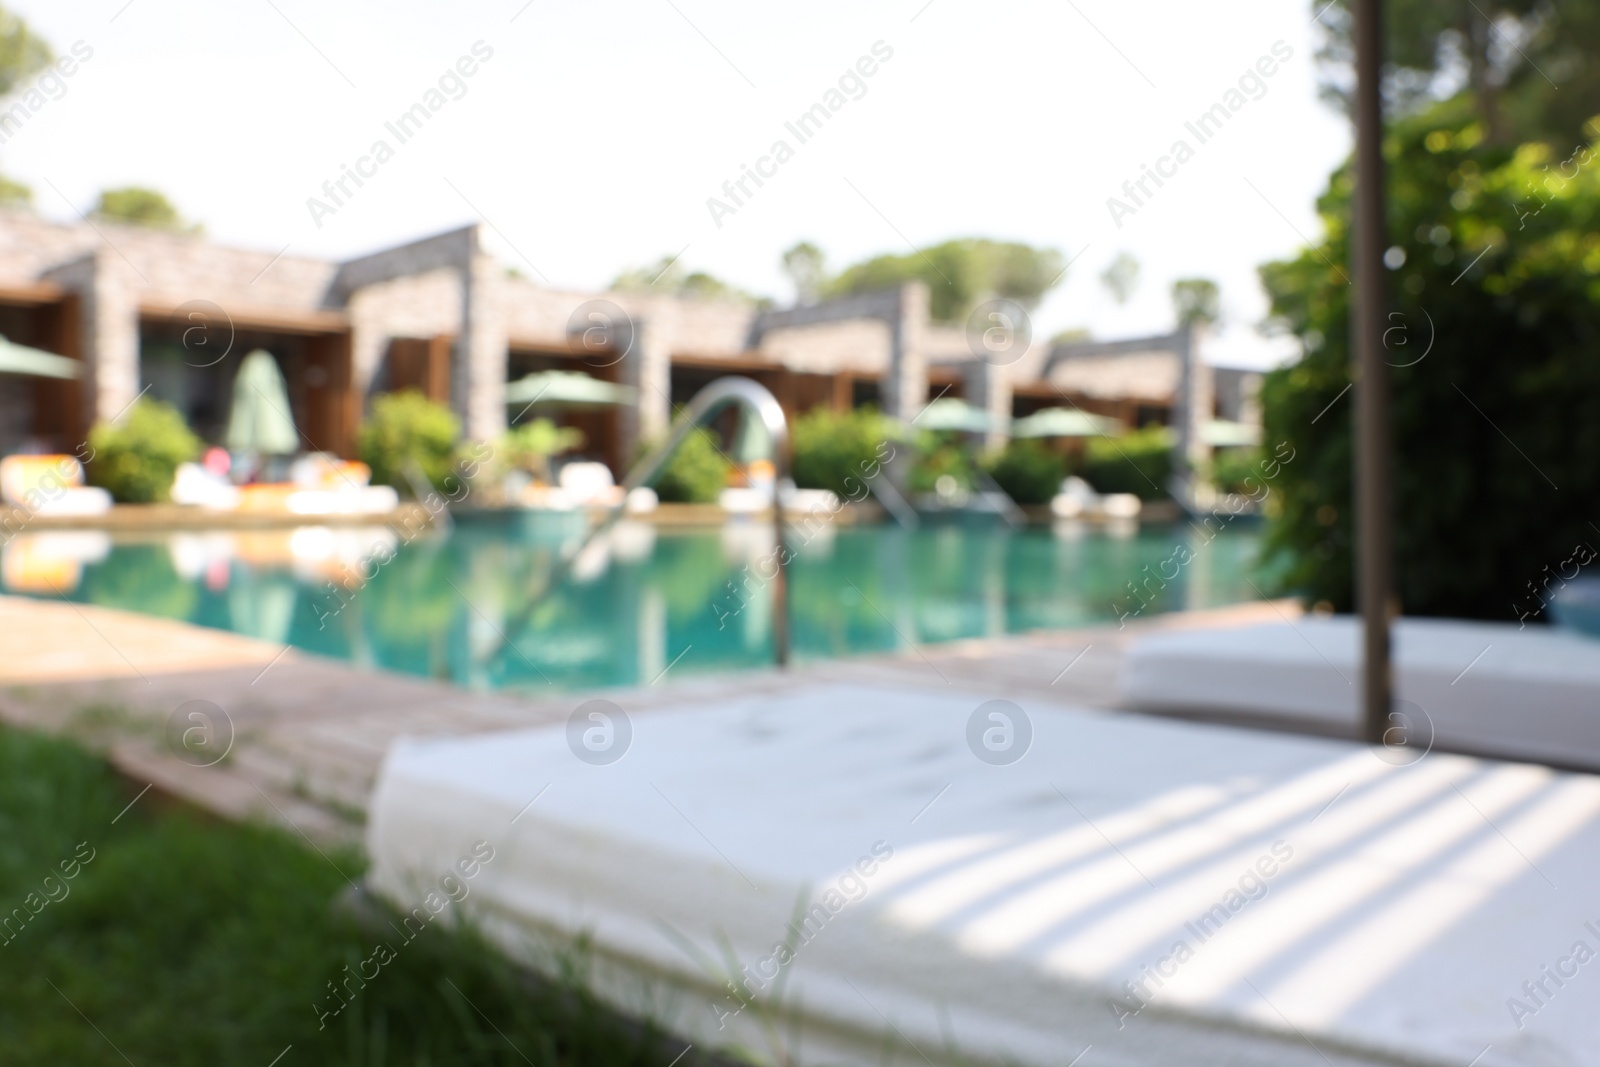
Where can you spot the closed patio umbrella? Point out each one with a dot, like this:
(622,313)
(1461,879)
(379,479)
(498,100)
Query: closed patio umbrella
(260,421)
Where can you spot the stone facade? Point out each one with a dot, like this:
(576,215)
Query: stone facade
(446,294)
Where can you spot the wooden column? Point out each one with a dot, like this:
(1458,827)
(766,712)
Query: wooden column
(436,378)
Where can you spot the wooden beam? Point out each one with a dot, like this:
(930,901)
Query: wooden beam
(309,321)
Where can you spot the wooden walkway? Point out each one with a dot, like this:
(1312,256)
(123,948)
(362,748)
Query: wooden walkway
(305,735)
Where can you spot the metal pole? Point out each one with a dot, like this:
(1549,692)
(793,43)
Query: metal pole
(758,403)
(1374,535)
(780,581)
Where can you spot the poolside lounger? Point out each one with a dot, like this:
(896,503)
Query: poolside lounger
(1133,890)
(1492,688)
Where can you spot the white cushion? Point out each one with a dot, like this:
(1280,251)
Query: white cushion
(1017,900)
(1529,693)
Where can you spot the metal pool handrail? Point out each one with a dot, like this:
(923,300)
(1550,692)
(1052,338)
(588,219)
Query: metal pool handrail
(758,401)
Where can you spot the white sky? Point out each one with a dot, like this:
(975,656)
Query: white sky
(593,137)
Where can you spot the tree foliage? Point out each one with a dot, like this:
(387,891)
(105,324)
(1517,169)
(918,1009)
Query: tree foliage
(1494,345)
(1526,67)
(807,269)
(668,276)
(23,53)
(14,194)
(1121,278)
(140,207)
(960,274)
(1196,300)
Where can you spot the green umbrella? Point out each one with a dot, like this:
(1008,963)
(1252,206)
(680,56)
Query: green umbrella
(568,389)
(1064,422)
(1220,433)
(953,413)
(20,359)
(260,421)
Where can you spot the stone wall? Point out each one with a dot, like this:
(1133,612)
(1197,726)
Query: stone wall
(421,305)
(108,306)
(448,286)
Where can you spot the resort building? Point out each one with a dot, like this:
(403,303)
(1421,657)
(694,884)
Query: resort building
(146,311)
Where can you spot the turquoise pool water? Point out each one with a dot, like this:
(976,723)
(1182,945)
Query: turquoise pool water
(650,600)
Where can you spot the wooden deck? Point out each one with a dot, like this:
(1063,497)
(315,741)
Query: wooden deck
(309,733)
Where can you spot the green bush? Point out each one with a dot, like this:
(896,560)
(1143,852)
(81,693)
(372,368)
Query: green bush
(1139,463)
(695,473)
(407,428)
(529,447)
(1028,470)
(1501,250)
(137,459)
(1231,466)
(830,448)
(940,453)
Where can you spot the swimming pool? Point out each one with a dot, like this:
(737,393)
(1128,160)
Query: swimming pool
(645,601)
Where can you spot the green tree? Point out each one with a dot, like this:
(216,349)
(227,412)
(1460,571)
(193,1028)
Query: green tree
(960,274)
(140,207)
(807,269)
(1196,300)
(1495,381)
(14,194)
(1525,67)
(667,275)
(22,55)
(1121,278)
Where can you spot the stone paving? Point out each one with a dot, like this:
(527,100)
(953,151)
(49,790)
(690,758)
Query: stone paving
(308,733)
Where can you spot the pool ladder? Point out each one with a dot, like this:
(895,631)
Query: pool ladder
(708,402)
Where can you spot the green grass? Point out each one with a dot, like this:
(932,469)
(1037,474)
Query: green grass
(188,941)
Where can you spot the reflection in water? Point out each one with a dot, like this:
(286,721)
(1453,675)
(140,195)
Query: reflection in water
(639,602)
(53,562)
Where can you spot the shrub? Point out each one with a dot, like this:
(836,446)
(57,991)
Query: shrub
(695,473)
(1139,463)
(940,453)
(830,448)
(137,459)
(407,428)
(1231,466)
(530,446)
(1499,276)
(1028,470)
